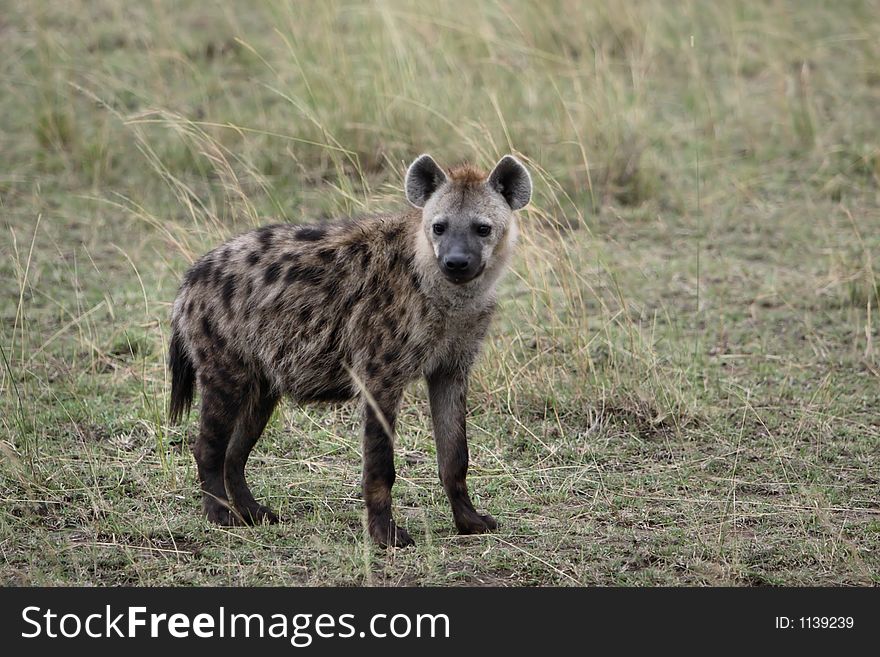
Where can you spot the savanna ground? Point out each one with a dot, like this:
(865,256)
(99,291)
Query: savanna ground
(681,386)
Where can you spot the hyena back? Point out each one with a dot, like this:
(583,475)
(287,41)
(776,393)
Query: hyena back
(356,308)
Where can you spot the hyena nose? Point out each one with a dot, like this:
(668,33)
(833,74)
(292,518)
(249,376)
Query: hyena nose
(456,263)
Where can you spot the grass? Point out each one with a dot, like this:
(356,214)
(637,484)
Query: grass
(681,387)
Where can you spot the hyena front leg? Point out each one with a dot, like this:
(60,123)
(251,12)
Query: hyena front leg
(379,475)
(258,403)
(447,390)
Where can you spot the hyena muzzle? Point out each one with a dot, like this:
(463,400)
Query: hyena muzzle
(351,309)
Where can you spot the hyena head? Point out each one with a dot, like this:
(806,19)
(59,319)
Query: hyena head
(468,226)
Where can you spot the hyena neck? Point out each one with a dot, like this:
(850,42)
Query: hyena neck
(475,296)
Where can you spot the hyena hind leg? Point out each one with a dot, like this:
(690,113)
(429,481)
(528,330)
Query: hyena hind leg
(220,408)
(258,403)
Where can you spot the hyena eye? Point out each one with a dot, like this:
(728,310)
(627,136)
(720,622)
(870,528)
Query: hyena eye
(484,230)
(439,229)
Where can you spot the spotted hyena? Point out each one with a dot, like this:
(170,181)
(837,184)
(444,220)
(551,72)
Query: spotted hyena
(352,309)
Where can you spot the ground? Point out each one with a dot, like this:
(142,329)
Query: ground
(682,384)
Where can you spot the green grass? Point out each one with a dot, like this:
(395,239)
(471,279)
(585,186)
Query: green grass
(681,386)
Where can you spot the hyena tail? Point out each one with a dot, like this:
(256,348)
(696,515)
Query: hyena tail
(183,378)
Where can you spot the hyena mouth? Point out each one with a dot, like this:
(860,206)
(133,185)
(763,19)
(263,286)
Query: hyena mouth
(465,278)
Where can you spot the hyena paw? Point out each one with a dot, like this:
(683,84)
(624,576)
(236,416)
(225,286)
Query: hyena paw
(219,514)
(390,535)
(474,523)
(259,515)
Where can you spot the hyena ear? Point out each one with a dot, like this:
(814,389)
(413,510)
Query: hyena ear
(510,179)
(423,178)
